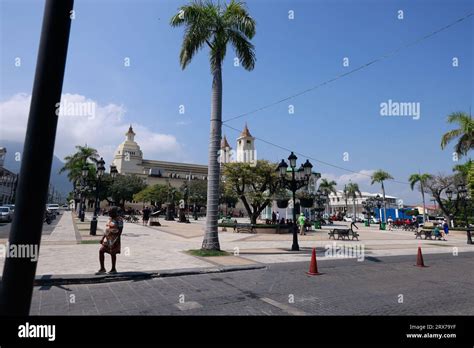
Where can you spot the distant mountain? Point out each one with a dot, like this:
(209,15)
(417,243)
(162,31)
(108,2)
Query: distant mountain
(59,181)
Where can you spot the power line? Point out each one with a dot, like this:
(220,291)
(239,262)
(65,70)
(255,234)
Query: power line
(353,70)
(312,158)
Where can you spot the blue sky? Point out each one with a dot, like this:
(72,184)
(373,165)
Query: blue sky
(292,55)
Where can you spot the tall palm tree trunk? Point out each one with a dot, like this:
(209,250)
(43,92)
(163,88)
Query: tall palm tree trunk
(423,199)
(211,238)
(384,205)
(353,209)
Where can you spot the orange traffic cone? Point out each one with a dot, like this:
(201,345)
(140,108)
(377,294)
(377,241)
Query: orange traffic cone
(419,259)
(313,267)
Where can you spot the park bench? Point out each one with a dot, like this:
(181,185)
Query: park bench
(427,231)
(244,228)
(343,233)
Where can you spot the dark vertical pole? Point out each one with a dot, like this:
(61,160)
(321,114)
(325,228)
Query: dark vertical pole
(468,231)
(294,246)
(32,192)
(93,228)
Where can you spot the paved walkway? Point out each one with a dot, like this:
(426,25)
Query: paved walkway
(146,248)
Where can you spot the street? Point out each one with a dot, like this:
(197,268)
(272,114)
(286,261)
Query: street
(47,229)
(389,285)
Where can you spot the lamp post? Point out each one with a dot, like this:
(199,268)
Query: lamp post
(84,173)
(100,173)
(462,192)
(113,171)
(379,204)
(320,200)
(299,179)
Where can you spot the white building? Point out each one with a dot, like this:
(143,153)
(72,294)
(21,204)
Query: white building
(337,202)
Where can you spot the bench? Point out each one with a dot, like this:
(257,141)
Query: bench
(429,234)
(343,233)
(244,228)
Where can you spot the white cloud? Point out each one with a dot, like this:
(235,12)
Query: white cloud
(101,126)
(361,177)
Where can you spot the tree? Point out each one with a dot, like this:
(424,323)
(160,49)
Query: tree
(352,190)
(155,193)
(215,26)
(421,179)
(327,187)
(437,186)
(74,163)
(198,193)
(380,176)
(227,197)
(254,185)
(124,187)
(465,133)
(344,192)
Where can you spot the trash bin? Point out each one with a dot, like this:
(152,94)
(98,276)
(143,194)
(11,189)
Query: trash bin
(317,225)
(382,226)
(366,223)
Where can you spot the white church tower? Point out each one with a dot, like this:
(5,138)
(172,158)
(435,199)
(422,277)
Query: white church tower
(246,147)
(225,154)
(128,156)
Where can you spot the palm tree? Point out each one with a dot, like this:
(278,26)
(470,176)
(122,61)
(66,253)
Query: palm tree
(463,169)
(352,190)
(421,179)
(74,163)
(465,133)
(344,192)
(327,187)
(380,176)
(209,24)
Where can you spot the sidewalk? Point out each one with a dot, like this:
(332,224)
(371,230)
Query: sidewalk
(68,250)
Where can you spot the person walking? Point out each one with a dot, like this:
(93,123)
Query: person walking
(110,242)
(274,218)
(146,215)
(445,229)
(301,222)
(278,216)
(390,223)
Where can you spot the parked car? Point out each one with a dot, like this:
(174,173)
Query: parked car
(5,214)
(54,208)
(374,220)
(11,206)
(347,218)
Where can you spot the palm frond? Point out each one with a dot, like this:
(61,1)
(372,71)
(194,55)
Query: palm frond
(237,18)
(244,48)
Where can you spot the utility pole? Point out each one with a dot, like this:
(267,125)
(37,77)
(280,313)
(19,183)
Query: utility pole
(32,193)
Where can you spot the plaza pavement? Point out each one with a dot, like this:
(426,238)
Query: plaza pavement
(70,250)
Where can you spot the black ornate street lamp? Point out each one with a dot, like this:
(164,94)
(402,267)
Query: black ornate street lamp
(100,173)
(84,174)
(299,179)
(379,204)
(320,200)
(449,193)
(113,171)
(462,193)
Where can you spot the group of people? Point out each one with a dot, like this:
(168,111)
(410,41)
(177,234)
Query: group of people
(441,230)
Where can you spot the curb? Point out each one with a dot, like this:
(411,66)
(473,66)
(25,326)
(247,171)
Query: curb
(48,280)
